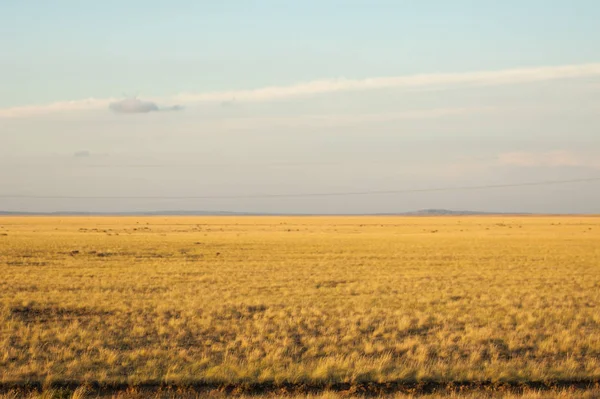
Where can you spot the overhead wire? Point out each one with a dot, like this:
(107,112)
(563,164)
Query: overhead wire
(304,195)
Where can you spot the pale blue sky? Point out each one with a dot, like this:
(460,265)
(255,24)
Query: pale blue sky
(70,49)
(542,123)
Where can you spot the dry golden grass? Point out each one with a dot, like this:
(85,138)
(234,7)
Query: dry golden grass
(302,300)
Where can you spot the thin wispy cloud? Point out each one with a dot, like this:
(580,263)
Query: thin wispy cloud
(559,158)
(341,120)
(321,87)
(426,81)
(56,107)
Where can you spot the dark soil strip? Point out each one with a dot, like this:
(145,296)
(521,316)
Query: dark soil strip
(364,389)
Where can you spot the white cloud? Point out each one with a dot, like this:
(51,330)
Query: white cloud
(319,87)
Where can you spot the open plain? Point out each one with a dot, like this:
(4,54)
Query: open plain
(260,305)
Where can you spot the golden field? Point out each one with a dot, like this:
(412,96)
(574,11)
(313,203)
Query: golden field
(317,301)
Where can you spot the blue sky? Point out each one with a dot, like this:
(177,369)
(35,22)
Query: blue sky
(207,55)
(72,49)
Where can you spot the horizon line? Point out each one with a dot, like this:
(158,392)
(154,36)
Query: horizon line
(166,213)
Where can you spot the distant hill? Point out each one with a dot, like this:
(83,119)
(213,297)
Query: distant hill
(446,212)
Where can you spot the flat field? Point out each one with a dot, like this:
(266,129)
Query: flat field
(332,302)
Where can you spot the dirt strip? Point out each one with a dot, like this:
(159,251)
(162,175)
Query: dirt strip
(265,388)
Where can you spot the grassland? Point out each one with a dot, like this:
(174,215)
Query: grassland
(299,301)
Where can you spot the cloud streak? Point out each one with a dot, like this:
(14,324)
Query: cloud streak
(549,159)
(341,120)
(327,86)
(424,81)
(57,107)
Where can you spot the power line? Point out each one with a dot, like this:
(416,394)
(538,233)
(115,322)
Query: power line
(307,195)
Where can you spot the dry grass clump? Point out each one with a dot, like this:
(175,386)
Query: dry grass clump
(316,301)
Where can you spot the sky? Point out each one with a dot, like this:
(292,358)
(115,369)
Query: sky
(264,106)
